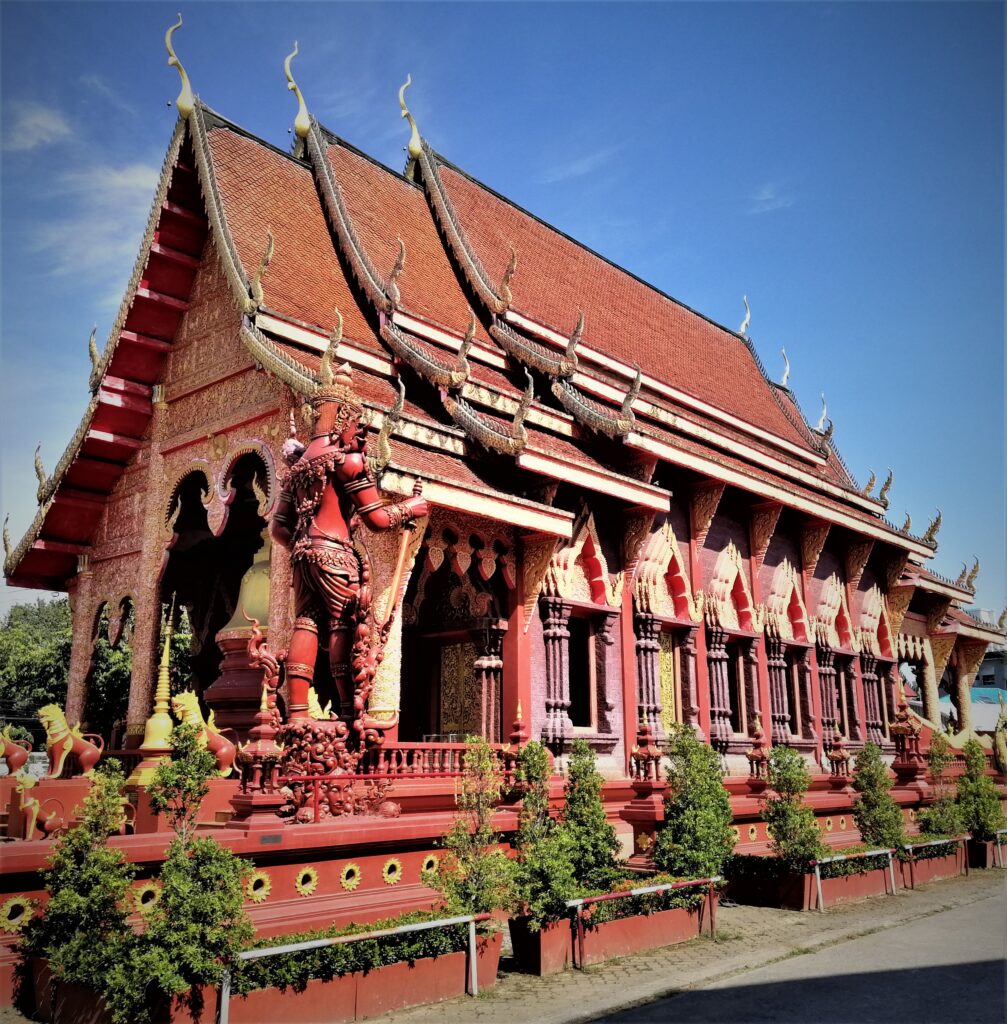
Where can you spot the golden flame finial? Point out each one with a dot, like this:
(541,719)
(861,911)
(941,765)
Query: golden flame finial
(302,123)
(415,146)
(185,102)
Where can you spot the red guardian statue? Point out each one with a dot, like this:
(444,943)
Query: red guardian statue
(327,490)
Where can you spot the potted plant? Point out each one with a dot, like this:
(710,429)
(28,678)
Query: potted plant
(979,802)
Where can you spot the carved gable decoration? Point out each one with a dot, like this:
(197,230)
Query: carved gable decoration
(911,648)
(832,624)
(898,604)
(874,632)
(578,570)
(662,582)
(940,648)
(785,614)
(728,600)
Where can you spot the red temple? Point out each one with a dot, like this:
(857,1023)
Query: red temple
(628,526)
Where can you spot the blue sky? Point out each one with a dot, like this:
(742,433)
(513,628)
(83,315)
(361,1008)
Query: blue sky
(841,164)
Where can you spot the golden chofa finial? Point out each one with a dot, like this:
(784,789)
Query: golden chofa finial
(302,123)
(415,146)
(185,102)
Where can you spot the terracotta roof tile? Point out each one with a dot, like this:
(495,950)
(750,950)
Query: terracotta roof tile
(624,318)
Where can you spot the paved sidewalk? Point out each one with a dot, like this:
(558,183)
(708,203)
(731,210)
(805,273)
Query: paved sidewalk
(749,937)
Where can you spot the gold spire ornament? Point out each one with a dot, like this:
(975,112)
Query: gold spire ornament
(256,284)
(907,525)
(930,537)
(970,580)
(302,123)
(185,101)
(156,746)
(743,329)
(415,145)
(6,538)
(869,486)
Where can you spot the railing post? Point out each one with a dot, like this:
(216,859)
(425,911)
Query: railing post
(891,870)
(223,1010)
(713,910)
(473,959)
(965,856)
(818,887)
(912,868)
(580,936)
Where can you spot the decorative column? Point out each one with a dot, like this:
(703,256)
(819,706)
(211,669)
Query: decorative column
(720,693)
(802,662)
(750,664)
(872,711)
(779,697)
(556,633)
(690,681)
(83,640)
(830,695)
(962,697)
(488,668)
(648,671)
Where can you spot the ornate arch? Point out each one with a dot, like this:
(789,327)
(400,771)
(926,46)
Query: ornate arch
(785,614)
(662,583)
(874,632)
(578,571)
(728,601)
(215,512)
(266,492)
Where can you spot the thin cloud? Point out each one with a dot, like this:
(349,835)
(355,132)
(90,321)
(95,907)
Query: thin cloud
(578,167)
(769,198)
(31,125)
(97,85)
(98,236)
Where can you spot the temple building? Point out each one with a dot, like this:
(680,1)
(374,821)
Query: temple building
(628,524)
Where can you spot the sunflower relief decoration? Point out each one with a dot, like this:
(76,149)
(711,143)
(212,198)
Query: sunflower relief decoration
(307,881)
(259,886)
(15,914)
(350,877)
(392,871)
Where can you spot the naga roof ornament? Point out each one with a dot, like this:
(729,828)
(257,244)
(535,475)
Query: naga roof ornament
(973,575)
(415,145)
(743,329)
(185,101)
(960,578)
(869,486)
(256,283)
(92,350)
(40,474)
(302,122)
(383,448)
(325,374)
(506,296)
(885,488)
(6,538)
(786,368)
(907,525)
(930,537)
(485,431)
(422,361)
(392,288)
(820,425)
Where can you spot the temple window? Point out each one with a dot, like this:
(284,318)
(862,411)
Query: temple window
(583,674)
(736,688)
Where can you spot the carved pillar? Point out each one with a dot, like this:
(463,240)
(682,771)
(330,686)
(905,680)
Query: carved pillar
(720,692)
(750,668)
(779,696)
(489,678)
(802,662)
(648,670)
(929,684)
(830,694)
(604,637)
(690,681)
(82,611)
(556,633)
(961,696)
(872,699)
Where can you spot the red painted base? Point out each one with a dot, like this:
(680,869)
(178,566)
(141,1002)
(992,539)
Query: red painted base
(630,935)
(797,892)
(348,998)
(982,855)
(931,869)
(547,951)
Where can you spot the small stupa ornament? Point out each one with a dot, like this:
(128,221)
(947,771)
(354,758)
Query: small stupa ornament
(156,747)
(185,101)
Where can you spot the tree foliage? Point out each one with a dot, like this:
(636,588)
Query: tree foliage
(790,822)
(592,836)
(697,835)
(978,797)
(943,817)
(474,876)
(878,816)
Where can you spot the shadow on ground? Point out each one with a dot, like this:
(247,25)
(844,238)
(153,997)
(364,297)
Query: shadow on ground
(929,994)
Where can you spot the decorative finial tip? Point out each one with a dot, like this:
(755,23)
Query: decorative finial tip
(185,101)
(415,145)
(302,123)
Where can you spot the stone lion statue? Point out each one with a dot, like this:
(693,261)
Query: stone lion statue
(62,741)
(186,708)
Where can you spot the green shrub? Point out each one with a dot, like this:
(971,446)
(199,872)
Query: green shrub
(877,815)
(697,836)
(473,876)
(84,930)
(546,878)
(978,797)
(790,822)
(943,817)
(584,820)
(532,777)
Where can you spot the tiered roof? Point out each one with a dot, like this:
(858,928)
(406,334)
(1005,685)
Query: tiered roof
(535,350)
